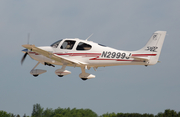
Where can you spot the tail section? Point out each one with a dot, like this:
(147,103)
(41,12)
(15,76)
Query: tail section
(153,48)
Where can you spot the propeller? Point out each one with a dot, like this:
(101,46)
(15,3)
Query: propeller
(25,51)
(23,58)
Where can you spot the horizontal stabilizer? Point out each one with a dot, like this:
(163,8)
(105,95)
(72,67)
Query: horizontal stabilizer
(140,58)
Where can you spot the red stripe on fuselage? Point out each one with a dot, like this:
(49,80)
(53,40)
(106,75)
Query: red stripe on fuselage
(79,54)
(110,59)
(144,55)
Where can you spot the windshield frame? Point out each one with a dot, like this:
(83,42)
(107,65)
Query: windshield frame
(56,44)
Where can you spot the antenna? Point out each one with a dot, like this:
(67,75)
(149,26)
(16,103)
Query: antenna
(28,38)
(89,36)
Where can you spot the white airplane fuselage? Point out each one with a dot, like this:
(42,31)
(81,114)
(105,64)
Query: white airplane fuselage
(98,56)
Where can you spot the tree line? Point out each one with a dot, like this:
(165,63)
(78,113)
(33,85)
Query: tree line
(38,111)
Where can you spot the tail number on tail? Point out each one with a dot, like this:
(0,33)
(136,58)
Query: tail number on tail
(152,49)
(115,55)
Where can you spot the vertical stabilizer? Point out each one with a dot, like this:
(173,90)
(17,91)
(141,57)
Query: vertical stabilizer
(154,46)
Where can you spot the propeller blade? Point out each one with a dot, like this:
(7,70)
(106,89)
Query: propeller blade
(23,58)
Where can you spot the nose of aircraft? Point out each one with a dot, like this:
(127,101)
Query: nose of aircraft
(25,50)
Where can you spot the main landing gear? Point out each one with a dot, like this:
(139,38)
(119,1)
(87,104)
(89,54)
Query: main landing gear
(62,72)
(84,76)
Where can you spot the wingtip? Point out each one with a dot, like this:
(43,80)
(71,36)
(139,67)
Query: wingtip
(27,46)
(159,31)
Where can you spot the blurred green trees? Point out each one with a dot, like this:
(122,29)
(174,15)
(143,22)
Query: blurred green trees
(38,111)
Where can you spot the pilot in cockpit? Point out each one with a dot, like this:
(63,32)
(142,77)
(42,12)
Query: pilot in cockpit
(69,45)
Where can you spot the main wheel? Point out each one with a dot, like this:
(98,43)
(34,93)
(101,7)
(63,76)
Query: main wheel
(84,78)
(60,75)
(35,75)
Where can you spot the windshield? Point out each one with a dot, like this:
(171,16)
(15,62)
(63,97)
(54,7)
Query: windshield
(55,44)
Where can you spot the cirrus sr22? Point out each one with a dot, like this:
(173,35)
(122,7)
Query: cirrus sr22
(85,54)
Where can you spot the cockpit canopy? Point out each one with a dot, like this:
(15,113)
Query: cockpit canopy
(70,44)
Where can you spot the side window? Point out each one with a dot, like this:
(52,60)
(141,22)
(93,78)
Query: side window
(83,46)
(68,44)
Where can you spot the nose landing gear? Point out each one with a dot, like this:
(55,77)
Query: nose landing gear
(36,72)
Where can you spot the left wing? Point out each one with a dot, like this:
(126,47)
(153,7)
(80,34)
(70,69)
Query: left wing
(53,56)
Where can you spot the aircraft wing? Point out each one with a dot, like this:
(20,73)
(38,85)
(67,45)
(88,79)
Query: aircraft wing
(53,56)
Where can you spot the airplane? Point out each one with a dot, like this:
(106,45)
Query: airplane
(86,54)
